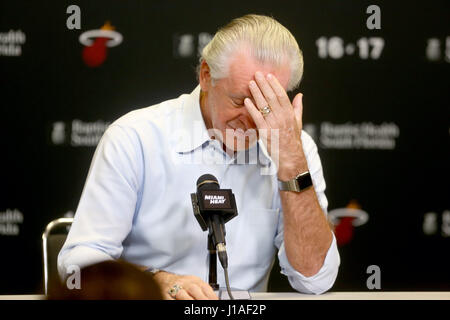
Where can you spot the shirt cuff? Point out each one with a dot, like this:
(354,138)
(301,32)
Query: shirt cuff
(319,283)
(79,256)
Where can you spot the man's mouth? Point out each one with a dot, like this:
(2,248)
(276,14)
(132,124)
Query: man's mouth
(240,132)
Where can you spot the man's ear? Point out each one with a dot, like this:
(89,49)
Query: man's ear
(204,76)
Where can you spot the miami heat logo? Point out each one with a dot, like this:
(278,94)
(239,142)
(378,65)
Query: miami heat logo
(345,219)
(97,42)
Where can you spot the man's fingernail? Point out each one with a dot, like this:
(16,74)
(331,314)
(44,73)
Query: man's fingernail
(269,76)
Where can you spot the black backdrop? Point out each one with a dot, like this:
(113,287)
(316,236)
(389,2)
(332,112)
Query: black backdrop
(376,103)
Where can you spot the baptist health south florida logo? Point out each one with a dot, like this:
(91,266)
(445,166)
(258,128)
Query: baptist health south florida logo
(81,133)
(354,136)
(10,221)
(11,43)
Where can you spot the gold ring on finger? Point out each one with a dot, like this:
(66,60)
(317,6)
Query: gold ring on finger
(265,110)
(174,290)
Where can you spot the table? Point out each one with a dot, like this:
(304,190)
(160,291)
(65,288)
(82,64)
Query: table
(365,295)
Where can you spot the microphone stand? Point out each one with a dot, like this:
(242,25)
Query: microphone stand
(212,278)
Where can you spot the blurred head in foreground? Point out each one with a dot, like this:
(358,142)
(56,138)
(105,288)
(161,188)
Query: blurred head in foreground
(110,280)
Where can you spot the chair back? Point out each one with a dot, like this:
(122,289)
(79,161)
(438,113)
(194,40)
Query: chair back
(53,239)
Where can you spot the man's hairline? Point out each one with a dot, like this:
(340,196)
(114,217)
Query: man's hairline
(228,64)
(240,47)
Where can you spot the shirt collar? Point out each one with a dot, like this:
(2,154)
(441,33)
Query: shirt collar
(262,148)
(192,124)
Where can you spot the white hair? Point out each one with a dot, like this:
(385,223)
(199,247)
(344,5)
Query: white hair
(269,42)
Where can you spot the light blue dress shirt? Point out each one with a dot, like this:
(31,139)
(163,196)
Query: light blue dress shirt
(136,201)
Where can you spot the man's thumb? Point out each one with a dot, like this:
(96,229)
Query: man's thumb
(298,107)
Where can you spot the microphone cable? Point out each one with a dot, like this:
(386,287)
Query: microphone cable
(227,282)
(222,252)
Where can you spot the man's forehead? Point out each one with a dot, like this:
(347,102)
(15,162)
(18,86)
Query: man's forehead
(242,69)
(239,90)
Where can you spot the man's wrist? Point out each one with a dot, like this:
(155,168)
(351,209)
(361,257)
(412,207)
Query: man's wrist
(162,276)
(288,174)
(292,166)
(290,171)
(154,271)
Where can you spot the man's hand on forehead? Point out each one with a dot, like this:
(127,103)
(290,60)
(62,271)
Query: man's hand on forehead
(271,109)
(268,92)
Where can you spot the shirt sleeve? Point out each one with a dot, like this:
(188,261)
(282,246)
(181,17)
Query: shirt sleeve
(325,278)
(108,202)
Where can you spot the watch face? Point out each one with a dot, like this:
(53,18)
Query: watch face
(304,181)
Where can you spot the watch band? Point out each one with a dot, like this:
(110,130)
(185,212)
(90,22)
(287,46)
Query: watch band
(301,182)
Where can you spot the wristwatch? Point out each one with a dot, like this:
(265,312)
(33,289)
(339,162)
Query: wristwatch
(301,182)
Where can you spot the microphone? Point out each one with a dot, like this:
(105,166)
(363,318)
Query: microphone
(213,207)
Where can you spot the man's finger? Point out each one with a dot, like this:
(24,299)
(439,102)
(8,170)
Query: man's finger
(257,116)
(297,103)
(183,295)
(167,296)
(261,101)
(197,293)
(280,92)
(209,292)
(267,91)
(259,98)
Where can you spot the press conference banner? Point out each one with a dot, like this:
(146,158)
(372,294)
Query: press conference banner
(376,102)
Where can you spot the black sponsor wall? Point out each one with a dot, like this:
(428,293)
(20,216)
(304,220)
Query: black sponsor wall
(376,103)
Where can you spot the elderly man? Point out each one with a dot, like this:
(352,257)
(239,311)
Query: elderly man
(136,204)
